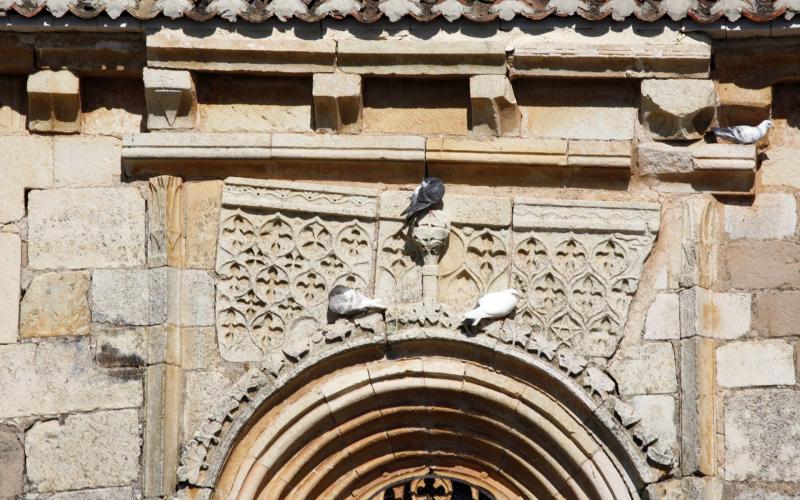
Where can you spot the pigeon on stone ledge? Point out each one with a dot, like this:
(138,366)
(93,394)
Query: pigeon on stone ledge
(427,194)
(348,302)
(492,306)
(743,134)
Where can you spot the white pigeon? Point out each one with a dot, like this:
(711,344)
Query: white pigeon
(743,134)
(493,305)
(346,301)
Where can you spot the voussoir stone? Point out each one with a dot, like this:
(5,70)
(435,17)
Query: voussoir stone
(85,451)
(129,297)
(59,377)
(85,228)
(56,304)
(762,429)
(677,109)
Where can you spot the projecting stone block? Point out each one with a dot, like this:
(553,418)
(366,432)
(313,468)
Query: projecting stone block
(171,99)
(56,304)
(338,102)
(659,159)
(64,378)
(84,451)
(714,314)
(750,364)
(10,263)
(54,102)
(645,369)
(677,109)
(129,297)
(494,107)
(86,161)
(772,216)
(85,228)
(761,433)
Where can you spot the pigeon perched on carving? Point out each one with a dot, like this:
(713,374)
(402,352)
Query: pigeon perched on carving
(427,194)
(348,302)
(743,134)
(492,306)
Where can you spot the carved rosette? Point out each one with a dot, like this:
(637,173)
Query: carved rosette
(430,235)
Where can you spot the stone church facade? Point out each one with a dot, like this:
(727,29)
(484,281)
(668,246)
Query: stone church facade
(183,184)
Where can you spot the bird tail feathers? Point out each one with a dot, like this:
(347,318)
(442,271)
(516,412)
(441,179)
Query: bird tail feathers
(475,315)
(374,304)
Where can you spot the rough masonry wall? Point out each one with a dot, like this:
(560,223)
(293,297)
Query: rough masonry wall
(110,347)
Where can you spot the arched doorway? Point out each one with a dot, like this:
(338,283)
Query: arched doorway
(374,420)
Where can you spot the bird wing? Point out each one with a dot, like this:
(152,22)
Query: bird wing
(726,133)
(432,193)
(742,134)
(412,203)
(497,304)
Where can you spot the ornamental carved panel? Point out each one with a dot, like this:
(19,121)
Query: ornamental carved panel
(282,247)
(577,264)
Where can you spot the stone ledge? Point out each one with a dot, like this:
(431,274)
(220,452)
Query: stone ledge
(718,163)
(384,148)
(413,57)
(173,49)
(572,215)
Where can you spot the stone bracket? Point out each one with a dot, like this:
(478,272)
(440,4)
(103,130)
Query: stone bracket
(54,102)
(338,102)
(171,99)
(494,107)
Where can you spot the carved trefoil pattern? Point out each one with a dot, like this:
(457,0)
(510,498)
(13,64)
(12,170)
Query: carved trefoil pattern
(282,247)
(577,264)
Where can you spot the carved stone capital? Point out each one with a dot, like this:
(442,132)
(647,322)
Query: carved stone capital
(430,235)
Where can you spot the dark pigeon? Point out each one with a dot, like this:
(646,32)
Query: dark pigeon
(427,194)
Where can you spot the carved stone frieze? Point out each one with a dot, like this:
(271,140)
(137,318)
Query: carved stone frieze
(282,247)
(577,264)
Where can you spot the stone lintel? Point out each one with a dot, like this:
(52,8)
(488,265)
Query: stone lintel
(171,99)
(659,159)
(606,154)
(325,148)
(302,197)
(587,215)
(338,102)
(235,53)
(421,58)
(54,102)
(501,151)
(92,54)
(477,210)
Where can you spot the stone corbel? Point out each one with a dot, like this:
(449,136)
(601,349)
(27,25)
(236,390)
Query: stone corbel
(171,99)
(430,235)
(338,102)
(677,109)
(54,102)
(494,107)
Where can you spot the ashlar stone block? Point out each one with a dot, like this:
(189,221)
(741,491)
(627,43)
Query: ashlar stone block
(171,99)
(759,363)
(772,216)
(719,315)
(86,228)
(10,263)
(27,163)
(781,169)
(746,264)
(56,304)
(663,318)
(338,102)
(12,462)
(129,297)
(54,102)
(86,161)
(657,414)
(494,107)
(776,313)
(762,445)
(677,109)
(64,378)
(648,368)
(84,451)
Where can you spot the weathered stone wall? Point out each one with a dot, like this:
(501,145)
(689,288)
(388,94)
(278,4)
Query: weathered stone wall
(114,349)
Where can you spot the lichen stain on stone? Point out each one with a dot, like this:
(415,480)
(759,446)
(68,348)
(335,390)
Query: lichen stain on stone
(113,357)
(710,314)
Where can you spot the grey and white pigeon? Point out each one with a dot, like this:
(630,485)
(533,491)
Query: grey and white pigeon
(492,306)
(345,301)
(427,194)
(743,134)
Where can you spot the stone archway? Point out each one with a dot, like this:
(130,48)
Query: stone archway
(366,414)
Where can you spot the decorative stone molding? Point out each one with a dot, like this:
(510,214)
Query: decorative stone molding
(338,102)
(421,57)
(494,107)
(54,102)
(723,167)
(171,100)
(611,55)
(184,49)
(577,264)
(677,109)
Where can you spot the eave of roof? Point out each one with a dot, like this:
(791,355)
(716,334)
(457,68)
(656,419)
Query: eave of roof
(368,11)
